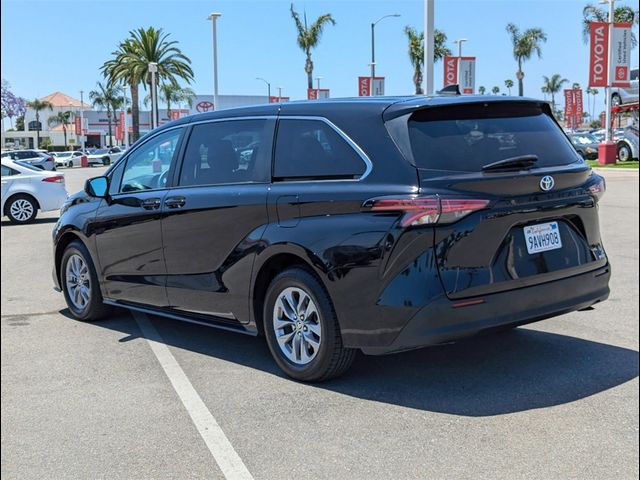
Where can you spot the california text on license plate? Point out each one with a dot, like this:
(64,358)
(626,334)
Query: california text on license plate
(542,237)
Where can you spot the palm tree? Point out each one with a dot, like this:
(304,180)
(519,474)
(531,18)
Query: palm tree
(509,84)
(544,91)
(525,44)
(38,106)
(495,90)
(481,90)
(173,94)
(416,52)
(64,119)
(131,64)
(309,37)
(591,13)
(553,85)
(593,92)
(106,96)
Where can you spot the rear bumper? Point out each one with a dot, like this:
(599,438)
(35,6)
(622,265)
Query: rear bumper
(441,321)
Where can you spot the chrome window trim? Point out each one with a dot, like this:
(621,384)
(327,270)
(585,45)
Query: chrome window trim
(230,119)
(363,156)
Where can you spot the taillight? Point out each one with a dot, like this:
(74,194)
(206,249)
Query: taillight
(54,179)
(427,210)
(598,187)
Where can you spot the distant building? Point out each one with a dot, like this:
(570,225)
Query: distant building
(96,122)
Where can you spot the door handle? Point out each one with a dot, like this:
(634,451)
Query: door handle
(175,202)
(151,203)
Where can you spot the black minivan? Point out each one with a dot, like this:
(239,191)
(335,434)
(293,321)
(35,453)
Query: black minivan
(378,224)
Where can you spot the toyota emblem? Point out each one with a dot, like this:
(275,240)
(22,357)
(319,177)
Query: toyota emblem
(546,183)
(204,106)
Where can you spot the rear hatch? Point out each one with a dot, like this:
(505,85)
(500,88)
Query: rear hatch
(541,221)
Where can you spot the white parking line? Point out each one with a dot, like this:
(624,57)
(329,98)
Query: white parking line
(221,449)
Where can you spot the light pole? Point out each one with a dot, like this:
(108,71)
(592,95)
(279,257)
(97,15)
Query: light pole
(82,119)
(318,84)
(373,42)
(268,88)
(460,41)
(428,47)
(607,89)
(125,127)
(153,69)
(279,94)
(213,17)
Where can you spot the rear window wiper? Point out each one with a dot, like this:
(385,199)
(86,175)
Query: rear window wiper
(521,161)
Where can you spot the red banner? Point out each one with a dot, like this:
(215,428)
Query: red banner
(578,106)
(120,127)
(175,114)
(78,125)
(598,53)
(450,70)
(278,99)
(619,64)
(569,109)
(364,86)
(312,93)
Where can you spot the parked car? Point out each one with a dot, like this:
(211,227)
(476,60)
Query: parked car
(69,159)
(585,144)
(621,95)
(378,226)
(38,158)
(27,189)
(628,147)
(104,156)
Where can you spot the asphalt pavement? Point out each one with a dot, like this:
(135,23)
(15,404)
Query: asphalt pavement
(137,397)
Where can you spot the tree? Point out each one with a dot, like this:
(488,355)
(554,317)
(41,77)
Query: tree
(38,106)
(172,94)
(591,13)
(495,90)
(525,44)
(593,92)
(309,37)
(481,90)
(509,84)
(131,65)
(106,97)
(552,86)
(416,52)
(64,119)
(11,105)
(544,91)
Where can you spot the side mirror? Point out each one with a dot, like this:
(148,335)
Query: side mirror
(97,187)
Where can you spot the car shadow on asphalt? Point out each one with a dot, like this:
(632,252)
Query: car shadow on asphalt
(497,374)
(7,223)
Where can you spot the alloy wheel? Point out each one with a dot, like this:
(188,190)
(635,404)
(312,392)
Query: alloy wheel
(78,281)
(296,323)
(22,210)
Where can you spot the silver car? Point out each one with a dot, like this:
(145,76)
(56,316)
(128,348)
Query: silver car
(628,146)
(37,158)
(621,96)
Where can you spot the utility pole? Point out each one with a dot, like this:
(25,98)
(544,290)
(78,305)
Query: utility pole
(428,48)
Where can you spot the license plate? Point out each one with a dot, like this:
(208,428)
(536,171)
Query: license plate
(542,237)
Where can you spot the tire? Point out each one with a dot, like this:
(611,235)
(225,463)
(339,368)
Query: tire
(328,358)
(106,161)
(21,209)
(70,164)
(615,99)
(624,152)
(88,306)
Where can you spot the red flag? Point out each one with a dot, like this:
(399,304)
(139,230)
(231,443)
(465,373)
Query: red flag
(598,53)
(450,70)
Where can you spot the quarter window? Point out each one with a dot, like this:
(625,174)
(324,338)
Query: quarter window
(308,149)
(148,166)
(7,172)
(234,151)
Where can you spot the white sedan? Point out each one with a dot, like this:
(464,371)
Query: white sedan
(27,189)
(105,156)
(68,159)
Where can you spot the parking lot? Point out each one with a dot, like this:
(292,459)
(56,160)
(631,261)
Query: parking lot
(558,399)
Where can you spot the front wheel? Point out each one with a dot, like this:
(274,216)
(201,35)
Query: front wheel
(80,284)
(106,161)
(624,152)
(302,328)
(21,209)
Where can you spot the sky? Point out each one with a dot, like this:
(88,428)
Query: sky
(60,45)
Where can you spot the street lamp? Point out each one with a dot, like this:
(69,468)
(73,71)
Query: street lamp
(268,88)
(153,69)
(213,17)
(279,94)
(82,119)
(318,84)
(125,126)
(459,42)
(429,34)
(373,42)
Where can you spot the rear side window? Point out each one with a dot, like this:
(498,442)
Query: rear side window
(311,149)
(234,151)
(7,172)
(464,138)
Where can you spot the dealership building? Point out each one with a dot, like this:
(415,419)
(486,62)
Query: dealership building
(96,122)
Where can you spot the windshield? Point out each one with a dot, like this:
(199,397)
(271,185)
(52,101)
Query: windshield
(584,139)
(64,154)
(463,138)
(101,151)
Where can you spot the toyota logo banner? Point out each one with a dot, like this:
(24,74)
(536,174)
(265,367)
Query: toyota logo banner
(602,69)
(621,55)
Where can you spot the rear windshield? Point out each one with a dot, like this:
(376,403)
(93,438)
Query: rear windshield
(464,138)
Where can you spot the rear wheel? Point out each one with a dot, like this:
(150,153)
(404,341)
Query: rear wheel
(302,328)
(80,284)
(21,209)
